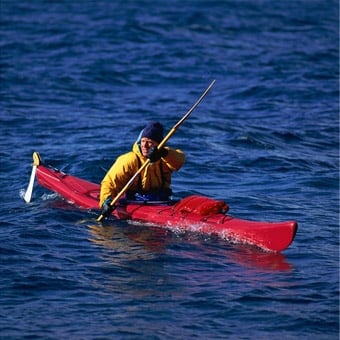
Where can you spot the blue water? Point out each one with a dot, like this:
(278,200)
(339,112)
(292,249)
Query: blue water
(78,81)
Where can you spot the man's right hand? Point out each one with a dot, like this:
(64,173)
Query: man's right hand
(107,208)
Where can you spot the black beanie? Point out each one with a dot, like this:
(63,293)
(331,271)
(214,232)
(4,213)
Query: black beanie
(153,131)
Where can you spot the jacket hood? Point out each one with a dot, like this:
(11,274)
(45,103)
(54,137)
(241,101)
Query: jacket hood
(137,150)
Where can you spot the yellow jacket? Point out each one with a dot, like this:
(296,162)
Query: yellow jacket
(154,177)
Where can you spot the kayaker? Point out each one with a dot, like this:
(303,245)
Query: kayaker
(154,182)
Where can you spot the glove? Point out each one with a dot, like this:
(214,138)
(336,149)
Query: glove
(155,155)
(107,208)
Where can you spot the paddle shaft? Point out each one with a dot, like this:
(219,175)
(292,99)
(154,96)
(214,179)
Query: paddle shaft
(160,145)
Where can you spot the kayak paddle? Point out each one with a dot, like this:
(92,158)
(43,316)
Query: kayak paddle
(160,145)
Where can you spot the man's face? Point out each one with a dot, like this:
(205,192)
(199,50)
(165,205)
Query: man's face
(146,144)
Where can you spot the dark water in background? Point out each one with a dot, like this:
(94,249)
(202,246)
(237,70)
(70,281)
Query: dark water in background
(78,81)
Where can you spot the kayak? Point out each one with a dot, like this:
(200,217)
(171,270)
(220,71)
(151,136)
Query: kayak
(194,213)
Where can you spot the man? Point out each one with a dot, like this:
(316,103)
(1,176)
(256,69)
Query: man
(153,183)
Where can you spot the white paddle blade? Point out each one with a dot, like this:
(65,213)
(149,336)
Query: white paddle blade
(36,163)
(29,190)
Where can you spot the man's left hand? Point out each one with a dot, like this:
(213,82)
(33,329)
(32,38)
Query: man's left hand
(155,155)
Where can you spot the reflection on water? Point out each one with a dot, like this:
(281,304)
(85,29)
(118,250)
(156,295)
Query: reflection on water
(139,243)
(254,258)
(145,242)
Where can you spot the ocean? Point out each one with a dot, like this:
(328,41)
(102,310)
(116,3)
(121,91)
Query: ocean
(79,79)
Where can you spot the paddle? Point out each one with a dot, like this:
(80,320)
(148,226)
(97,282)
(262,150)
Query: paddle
(29,190)
(160,145)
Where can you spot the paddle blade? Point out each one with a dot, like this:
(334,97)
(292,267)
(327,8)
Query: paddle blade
(29,190)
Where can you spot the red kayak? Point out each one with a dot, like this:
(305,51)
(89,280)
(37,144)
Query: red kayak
(193,213)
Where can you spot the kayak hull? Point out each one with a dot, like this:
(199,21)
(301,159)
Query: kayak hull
(194,213)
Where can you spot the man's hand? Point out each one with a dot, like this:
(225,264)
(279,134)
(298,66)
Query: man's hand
(155,155)
(107,208)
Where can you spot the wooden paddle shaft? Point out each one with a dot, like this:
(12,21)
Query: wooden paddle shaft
(160,145)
